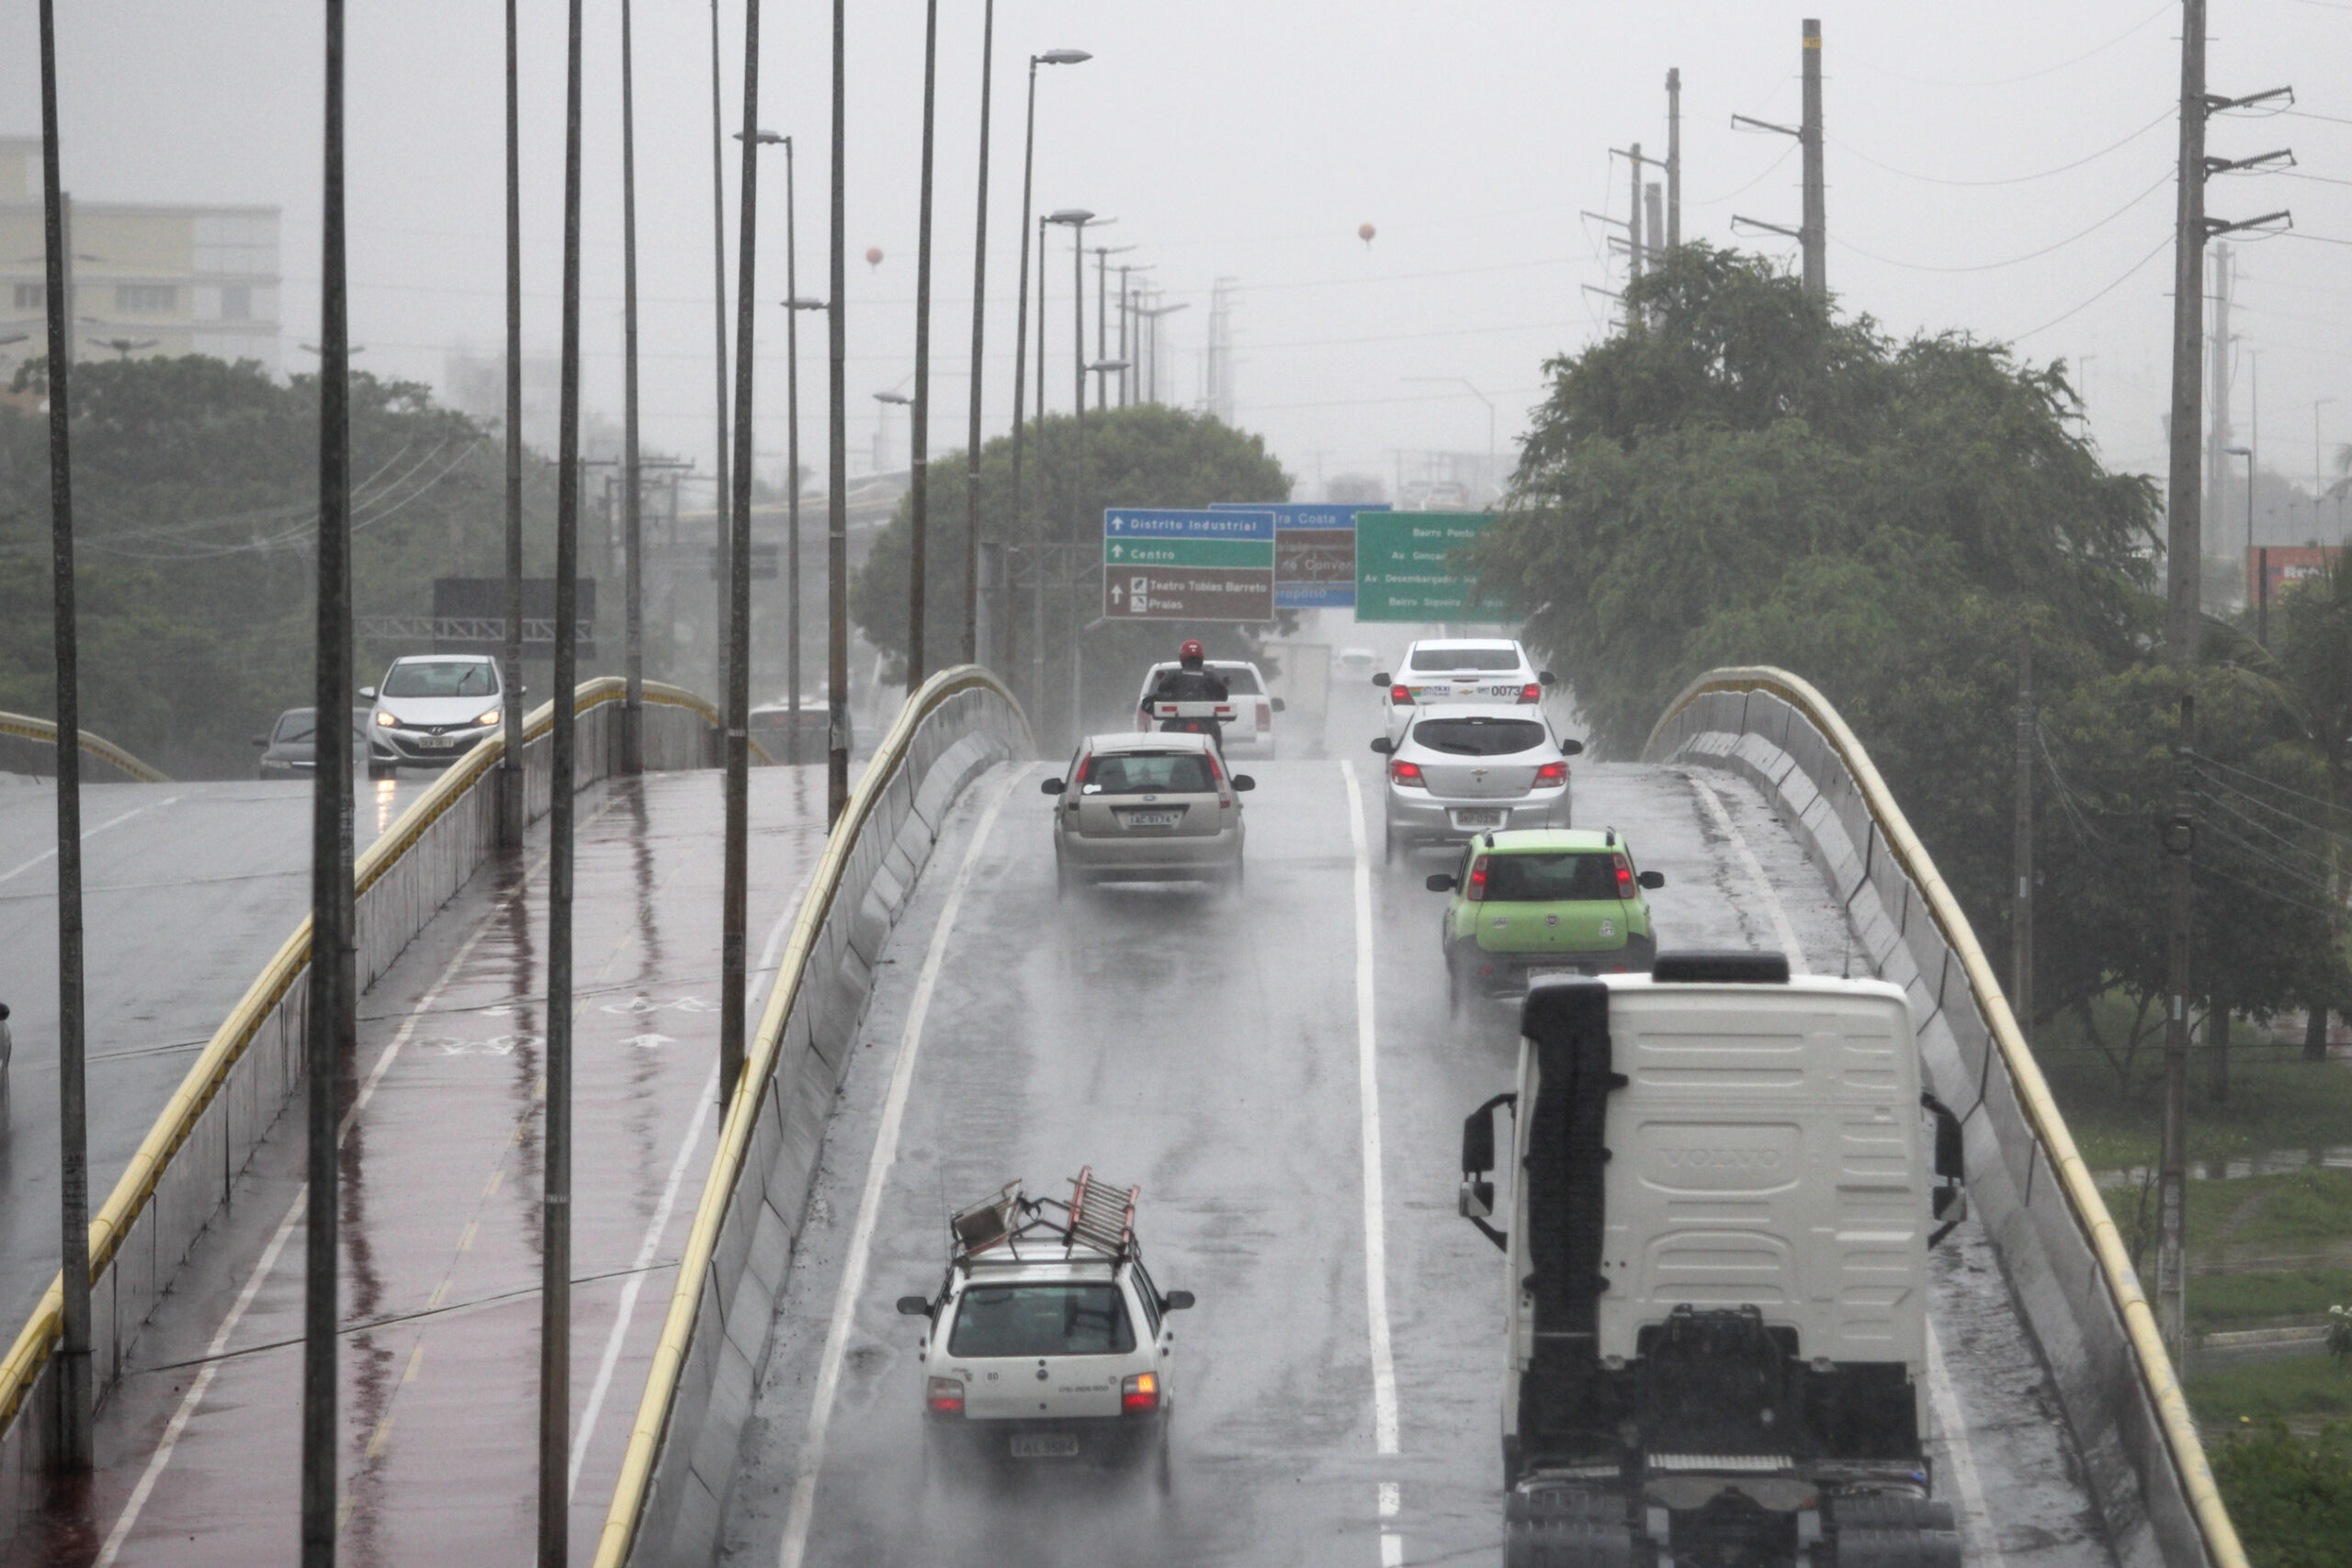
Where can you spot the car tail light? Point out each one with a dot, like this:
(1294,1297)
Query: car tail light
(1409,774)
(945,1396)
(1530,692)
(1400,696)
(1138,1396)
(1475,888)
(1265,716)
(1551,774)
(1625,877)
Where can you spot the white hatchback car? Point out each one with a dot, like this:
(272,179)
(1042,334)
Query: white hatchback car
(1048,1340)
(1460,769)
(431,709)
(1147,809)
(1251,727)
(1436,670)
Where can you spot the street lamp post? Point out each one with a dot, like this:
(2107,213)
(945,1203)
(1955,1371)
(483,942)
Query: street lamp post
(919,428)
(1076,220)
(2257,587)
(837,449)
(632,535)
(721,510)
(793,305)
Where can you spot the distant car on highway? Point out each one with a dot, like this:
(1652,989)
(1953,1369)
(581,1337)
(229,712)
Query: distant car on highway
(1251,727)
(1463,768)
(1147,809)
(431,709)
(289,748)
(1355,662)
(773,730)
(1440,670)
(1546,901)
(1048,1342)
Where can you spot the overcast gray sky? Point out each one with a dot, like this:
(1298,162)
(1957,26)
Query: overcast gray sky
(1249,138)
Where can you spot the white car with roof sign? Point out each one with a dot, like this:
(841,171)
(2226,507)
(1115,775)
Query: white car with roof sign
(1436,670)
(1048,1341)
(1457,769)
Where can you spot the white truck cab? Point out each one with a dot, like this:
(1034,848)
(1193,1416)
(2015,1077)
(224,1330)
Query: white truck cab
(1724,1183)
(1048,1339)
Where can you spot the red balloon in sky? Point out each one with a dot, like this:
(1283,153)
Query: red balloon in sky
(874,256)
(1365,231)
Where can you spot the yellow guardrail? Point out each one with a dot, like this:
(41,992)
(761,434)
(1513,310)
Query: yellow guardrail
(31,729)
(2162,1384)
(629,1492)
(211,1070)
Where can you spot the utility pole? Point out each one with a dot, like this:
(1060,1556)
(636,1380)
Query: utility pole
(513,811)
(1813,228)
(633,555)
(2184,571)
(1634,253)
(1673,159)
(734,895)
(2021,913)
(1654,198)
(980,324)
(2219,431)
(76,1388)
(919,439)
(837,455)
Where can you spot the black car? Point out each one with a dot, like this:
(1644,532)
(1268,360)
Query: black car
(291,746)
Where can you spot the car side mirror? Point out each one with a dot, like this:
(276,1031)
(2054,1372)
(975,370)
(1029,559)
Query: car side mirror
(1546,678)
(1439,882)
(1279,705)
(1381,678)
(1382,744)
(1243,782)
(1176,1300)
(1052,786)
(1652,879)
(4,1012)
(1571,748)
(261,741)
(367,692)
(914,1307)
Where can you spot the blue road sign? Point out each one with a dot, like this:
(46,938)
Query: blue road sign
(1315,551)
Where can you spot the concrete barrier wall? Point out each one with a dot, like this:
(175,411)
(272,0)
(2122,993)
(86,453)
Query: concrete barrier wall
(183,1173)
(682,1450)
(2026,1182)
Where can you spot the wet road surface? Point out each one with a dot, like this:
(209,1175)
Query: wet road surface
(441,1182)
(188,890)
(1210,1051)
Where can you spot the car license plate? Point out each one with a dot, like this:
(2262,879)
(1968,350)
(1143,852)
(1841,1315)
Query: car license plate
(1478,818)
(1151,818)
(1535,975)
(1048,1446)
(435,742)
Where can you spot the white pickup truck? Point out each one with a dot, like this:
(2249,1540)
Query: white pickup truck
(1250,726)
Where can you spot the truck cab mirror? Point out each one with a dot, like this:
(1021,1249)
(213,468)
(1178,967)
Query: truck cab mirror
(1476,1201)
(1381,678)
(1439,882)
(1571,748)
(1478,1140)
(1176,1300)
(1652,879)
(914,1307)
(1546,678)
(1052,786)
(1951,1204)
(1279,705)
(1382,744)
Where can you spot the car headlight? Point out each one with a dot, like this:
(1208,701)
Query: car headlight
(489,717)
(386,719)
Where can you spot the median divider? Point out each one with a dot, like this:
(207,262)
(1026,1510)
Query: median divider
(28,745)
(683,1446)
(182,1172)
(2060,1248)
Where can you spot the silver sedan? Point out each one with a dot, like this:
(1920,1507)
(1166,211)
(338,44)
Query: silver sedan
(1147,809)
(1465,768)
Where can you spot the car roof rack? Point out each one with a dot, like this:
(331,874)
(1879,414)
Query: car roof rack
(1097,1217)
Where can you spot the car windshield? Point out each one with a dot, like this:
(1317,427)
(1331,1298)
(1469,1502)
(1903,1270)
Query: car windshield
(1147,772)
(1566,877)
(1240,679)
(1042,1320)
(294,724)
(1465,659)
(441,678)
(1478,736)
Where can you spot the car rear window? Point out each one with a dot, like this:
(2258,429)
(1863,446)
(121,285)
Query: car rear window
(1484,658)
(441,678)
(1565,877)
(1478,736)
(1147,772)
(1240,679)
(1042,1320)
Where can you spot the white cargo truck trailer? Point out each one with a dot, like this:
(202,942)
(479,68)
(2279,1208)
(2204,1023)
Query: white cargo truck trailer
(1723,1186)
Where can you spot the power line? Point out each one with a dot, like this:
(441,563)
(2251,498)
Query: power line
(2015,179)
(2162,180)
(2129,273)
(2031,76)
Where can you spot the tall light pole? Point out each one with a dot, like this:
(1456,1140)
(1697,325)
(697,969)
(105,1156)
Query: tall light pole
(793,306)
(513,810)
(632,533)
(720,510)
(734,977)
(837,453)
(1102,254)
(1074,219)
(1463,382)
(2257,587)
(919,426)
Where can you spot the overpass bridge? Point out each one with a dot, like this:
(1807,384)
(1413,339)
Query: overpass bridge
(1280,1073)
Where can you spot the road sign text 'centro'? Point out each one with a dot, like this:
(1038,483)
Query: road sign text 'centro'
(1174,565)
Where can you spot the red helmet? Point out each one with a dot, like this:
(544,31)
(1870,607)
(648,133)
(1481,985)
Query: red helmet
(1189,651)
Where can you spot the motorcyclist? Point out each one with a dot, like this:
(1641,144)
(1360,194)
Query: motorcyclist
(1191,681)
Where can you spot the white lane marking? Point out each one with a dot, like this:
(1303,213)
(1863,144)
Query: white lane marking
(869,1204)
(1376,1223)
(1976,1517)
(89,833)
(629,1292)
(1759,886)
(162,1457)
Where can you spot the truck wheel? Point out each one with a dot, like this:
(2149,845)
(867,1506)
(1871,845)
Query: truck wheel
(1873,1530)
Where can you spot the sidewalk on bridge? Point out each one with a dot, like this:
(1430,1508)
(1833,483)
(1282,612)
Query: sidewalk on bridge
(440,1213)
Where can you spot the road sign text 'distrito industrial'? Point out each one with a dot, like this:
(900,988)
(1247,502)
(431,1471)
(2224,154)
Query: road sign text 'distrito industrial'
(1168,565)
(1406,568)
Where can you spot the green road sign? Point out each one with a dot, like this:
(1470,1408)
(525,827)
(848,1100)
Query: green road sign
(1405,570)
(1117,553)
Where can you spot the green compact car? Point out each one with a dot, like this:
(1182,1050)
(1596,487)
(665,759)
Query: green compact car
(1544,901)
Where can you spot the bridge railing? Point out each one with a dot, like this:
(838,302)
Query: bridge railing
(182,1171)
(682,1449)
(2058,1246)
(28,745)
